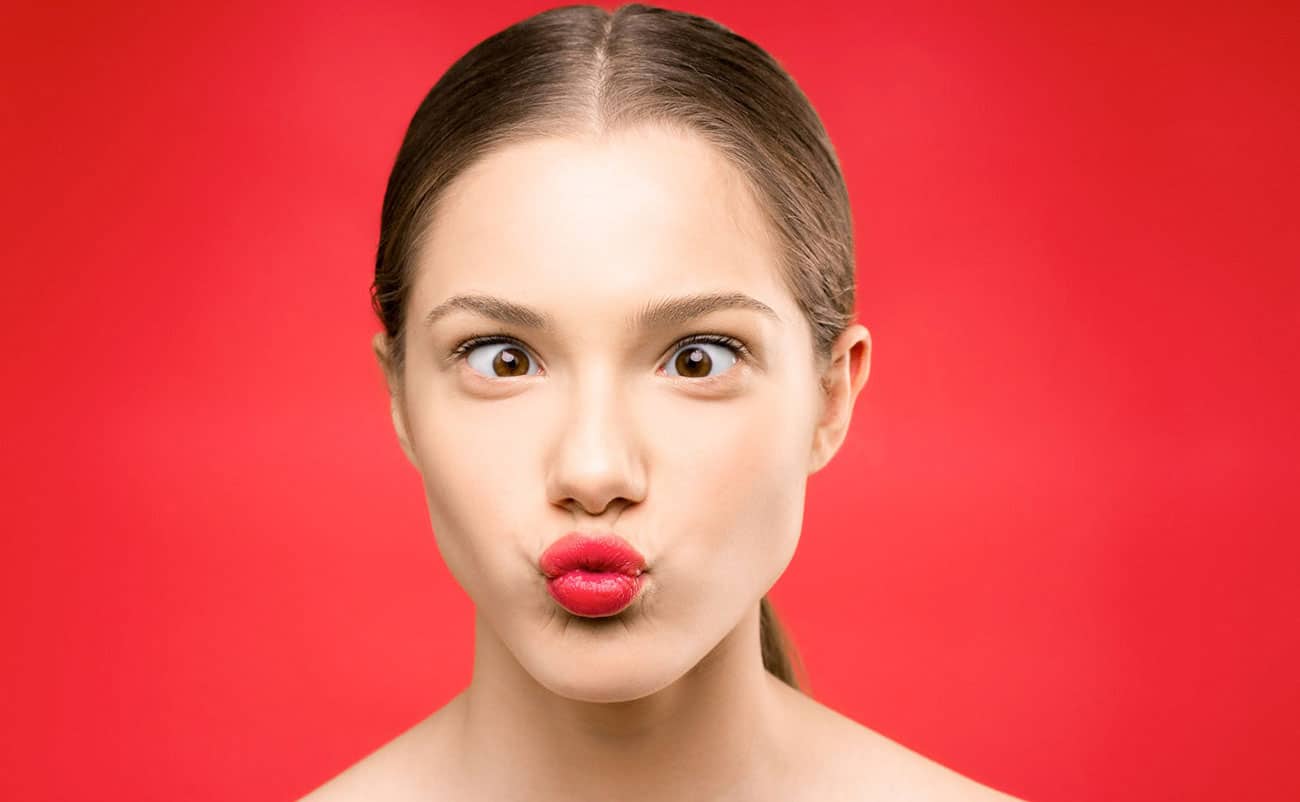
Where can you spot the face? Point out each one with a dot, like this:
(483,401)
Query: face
(697,454)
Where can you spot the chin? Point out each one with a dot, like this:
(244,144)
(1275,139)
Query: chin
(604,672)
(588,684)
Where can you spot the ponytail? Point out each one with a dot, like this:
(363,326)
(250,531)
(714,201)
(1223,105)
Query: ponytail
(779,655)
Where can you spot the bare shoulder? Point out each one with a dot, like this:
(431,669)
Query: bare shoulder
(409,767)
(865,766)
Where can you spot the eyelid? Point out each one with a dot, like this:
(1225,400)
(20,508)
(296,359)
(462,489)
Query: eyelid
(743,353)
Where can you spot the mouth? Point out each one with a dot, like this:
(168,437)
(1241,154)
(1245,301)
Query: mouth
(593,575)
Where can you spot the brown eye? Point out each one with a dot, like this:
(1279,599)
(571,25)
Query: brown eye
(506,362)
(693,363)
(696,360)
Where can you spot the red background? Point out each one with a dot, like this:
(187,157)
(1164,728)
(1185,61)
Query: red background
(1058,551)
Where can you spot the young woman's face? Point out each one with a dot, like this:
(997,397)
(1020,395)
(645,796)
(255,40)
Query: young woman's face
(697,454)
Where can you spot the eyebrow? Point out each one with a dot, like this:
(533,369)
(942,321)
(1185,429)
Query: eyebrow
(657,313)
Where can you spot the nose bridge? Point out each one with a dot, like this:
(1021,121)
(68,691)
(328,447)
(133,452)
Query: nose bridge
(596,457)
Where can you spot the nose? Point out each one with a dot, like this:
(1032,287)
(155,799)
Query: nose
(596,458)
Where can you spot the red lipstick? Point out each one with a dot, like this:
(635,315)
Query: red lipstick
(592,575)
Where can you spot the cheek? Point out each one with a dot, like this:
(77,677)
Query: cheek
(474,476)
(731,495)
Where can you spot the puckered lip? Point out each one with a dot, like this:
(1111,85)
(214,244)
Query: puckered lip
(591,551)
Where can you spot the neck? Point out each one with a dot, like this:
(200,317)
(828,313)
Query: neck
(712,733)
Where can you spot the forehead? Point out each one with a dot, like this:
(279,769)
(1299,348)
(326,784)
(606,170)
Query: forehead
(644,211)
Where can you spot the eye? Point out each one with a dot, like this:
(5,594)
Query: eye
(696,356)
(496,357)
(499,357)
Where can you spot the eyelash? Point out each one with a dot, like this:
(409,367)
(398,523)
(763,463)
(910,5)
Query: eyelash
(742,351)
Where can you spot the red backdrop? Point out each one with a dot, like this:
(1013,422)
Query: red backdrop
(1058,551)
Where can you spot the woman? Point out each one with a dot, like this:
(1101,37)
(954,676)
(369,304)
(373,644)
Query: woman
(615,274)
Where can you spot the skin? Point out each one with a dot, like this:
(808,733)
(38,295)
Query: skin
(603,430)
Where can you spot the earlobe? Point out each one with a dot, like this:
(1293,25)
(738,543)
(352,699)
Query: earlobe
(399,425)
(379,344)
(840,385)
(393,383)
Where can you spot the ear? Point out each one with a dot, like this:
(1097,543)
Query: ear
(394,384)
(843,379)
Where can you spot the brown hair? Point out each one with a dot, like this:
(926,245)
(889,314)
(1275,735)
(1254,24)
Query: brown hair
(581,68)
